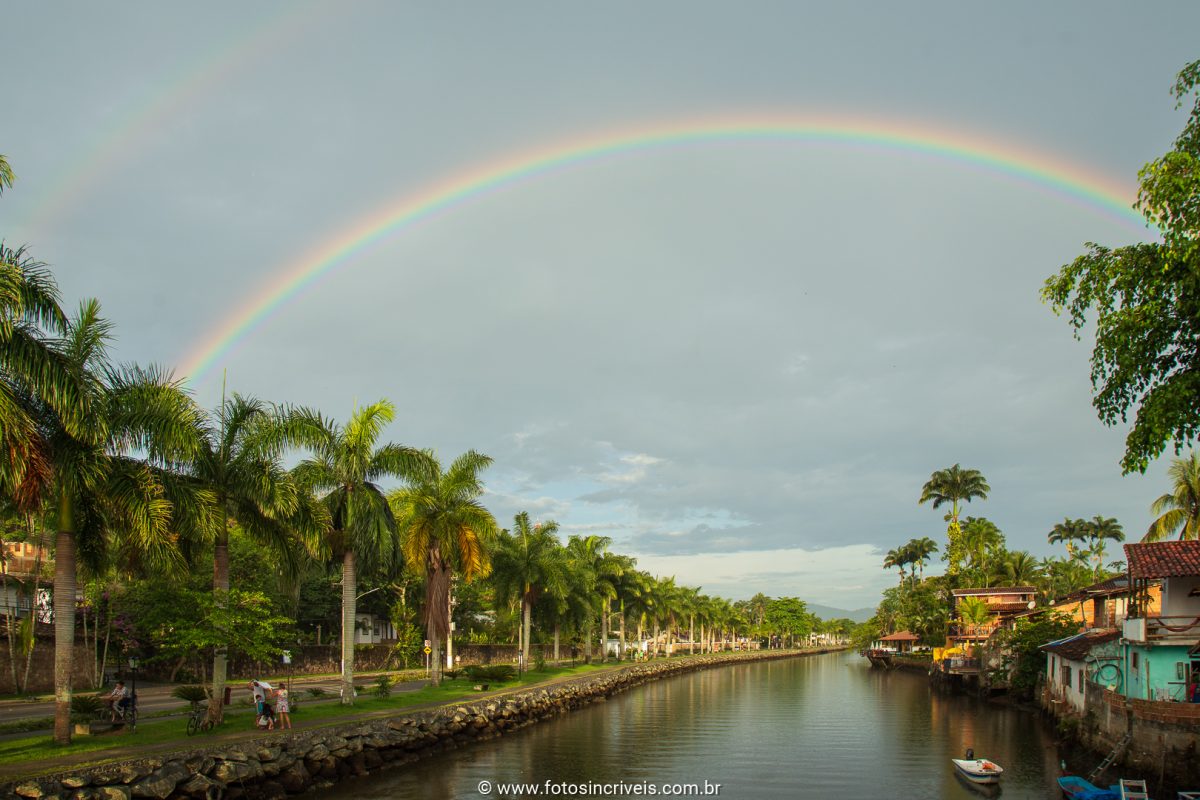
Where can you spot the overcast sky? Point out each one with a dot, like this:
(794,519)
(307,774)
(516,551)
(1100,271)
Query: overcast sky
(741,361)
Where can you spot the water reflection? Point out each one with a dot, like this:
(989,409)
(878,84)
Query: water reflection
(820,727)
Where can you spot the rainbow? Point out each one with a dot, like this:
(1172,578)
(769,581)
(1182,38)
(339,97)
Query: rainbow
(1043,171)
(167,97)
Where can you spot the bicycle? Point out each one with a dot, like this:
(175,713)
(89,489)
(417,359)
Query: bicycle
(198,720)
(121,715)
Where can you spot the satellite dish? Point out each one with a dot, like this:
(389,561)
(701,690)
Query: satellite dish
(1031,604)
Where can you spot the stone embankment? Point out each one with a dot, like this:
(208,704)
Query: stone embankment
(290,763)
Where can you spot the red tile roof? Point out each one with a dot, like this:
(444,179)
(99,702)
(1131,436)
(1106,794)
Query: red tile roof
(1077,647)
(1163,559)
(901,636)
(996,590)
(1004,608)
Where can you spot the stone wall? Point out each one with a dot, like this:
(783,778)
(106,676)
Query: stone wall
(289,763)
(1163,742)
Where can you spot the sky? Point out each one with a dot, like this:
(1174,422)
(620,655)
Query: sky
(740,357)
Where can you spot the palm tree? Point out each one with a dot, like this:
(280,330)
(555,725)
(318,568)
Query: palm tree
(113,476)
(1099,530)
(6,174)
(896,558)
(921,550)
(239,462)
(344,469)
(1069,532)
(36,374)
(1018,568)
(1179,509)
(447,530)
(954,485)
(610,568)
(526,563)
(585,556)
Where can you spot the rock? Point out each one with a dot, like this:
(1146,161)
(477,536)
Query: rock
(318,753)
(113,792)
(295,778)
(200,786)
(236,755)
(271,790)
(31,789)
(160,784)
(76,781)
(267,753)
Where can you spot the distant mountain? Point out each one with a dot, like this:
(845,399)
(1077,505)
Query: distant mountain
(828,612)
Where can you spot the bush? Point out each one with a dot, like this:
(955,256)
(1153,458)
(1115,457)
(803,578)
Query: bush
(539,661)
(451,673)
(86,706)
(316,691)
(494,673)
(383,686)
(190,694)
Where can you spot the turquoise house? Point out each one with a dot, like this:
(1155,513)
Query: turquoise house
(1161,652)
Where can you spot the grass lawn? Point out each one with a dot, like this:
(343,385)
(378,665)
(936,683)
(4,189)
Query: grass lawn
(241,719)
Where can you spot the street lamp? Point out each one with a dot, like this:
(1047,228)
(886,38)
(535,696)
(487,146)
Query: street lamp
(133,665)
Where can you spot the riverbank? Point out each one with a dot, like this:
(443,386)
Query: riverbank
(251,765)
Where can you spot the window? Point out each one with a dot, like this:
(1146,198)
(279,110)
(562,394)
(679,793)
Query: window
(1134,663)
(1081,680)
(1066,675)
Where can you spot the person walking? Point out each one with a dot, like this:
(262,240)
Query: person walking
(283,707)
(263,716)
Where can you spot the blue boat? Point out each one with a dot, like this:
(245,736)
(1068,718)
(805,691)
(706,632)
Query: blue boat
(1076,788)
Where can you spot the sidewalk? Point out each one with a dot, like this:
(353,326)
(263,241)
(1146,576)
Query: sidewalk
(157,696)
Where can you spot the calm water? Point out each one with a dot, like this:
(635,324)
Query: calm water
(819,727)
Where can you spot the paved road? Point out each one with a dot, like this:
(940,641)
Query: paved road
(157,697)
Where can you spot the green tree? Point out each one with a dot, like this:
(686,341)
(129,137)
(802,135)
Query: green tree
(1022,660)
(788,616)
(1179,509)
(1069,532)
(1146,299)
(1100,530)
(447,530)
(954,485)
(344,469)
(114,477)
(239,462)
(527,562)
(922,550)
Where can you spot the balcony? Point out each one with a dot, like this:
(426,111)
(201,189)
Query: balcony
(965,631)
(1162,630)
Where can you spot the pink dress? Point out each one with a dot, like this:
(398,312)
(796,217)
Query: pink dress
(281,702)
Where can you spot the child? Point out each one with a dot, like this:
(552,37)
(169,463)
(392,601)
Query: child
(282,708)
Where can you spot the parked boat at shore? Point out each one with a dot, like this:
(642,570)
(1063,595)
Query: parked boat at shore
(1077,788)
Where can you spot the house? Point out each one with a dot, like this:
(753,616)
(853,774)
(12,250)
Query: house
(1072,661)
(19,561)
(900,642)
(1159,654)
(372,629)
(1104,604)
(1003,602)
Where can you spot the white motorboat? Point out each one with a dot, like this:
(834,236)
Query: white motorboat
(978,770)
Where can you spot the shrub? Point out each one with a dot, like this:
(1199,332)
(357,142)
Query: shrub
(451,673)
(539,661)
(316,691)
(190,694)
(383,686)
(86,706)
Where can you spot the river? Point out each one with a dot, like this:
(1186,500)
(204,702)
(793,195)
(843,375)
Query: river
(815,727)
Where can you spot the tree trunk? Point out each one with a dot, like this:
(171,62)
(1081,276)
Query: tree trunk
(527,617)
(64,619)
(435,658)
(622,628)
(604,632)
(220,666)
(37,587)
(349,599)
(556,641)
(657,629)
(450,627)
(692,635)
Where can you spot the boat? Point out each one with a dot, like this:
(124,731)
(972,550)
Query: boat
(978,770)
(1076,788)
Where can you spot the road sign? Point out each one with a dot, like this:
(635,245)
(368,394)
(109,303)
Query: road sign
(428,650)
(427,643)
(287,656)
